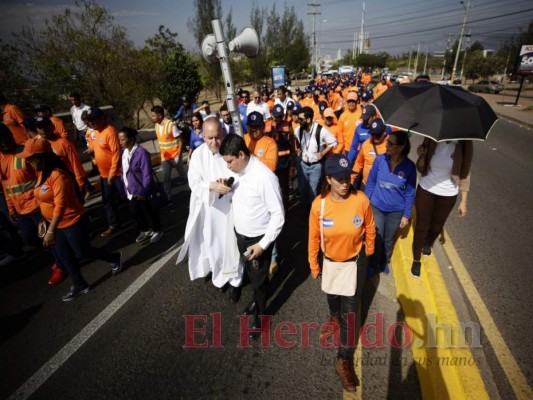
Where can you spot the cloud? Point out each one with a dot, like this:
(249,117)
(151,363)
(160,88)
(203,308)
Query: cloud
(133,13)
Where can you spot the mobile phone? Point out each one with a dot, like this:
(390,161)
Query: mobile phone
(247,253)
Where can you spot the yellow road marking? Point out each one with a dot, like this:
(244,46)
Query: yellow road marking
(508,363)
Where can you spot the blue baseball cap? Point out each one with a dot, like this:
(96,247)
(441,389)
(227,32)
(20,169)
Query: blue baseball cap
(337,166)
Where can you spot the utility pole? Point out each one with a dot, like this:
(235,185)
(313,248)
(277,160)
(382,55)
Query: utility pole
(354,41)
(466,51)
(426,62)
(409,67)
(362,35)
(416,59)
(444,59)
(315,46)
(460,40)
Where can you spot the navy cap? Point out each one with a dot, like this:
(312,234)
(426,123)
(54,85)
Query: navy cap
(43,122)
(377,127)
(290,105)
(94,113)
(368,111)
(296,108)
(322,105)
(255,118)
(338,166)
(366,96)
(278,111)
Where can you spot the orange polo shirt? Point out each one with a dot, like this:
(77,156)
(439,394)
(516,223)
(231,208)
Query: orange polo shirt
(265,149)
(18,180)
(347,224)
(59,127)
(67,152)
(57,197)
(367,155)
(13,117)
(107,151)
(347,124)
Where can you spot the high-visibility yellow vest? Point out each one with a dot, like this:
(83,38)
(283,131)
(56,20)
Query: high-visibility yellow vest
(170,146)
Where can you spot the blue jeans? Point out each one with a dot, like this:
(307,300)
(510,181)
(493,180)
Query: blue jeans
(387,224)
(74,242)
(110,195)
(309,177)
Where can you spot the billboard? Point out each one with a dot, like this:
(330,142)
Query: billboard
(279,74)
(525,60)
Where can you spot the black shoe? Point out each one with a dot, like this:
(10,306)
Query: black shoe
(75,292)
(116,267)
(250,308)
(415,269)
(222,289)
(235,294)
(426,250)
(256,325)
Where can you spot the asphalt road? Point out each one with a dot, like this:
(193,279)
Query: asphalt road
(141,351)
(493,240)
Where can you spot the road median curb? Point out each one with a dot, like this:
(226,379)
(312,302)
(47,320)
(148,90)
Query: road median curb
(445,365)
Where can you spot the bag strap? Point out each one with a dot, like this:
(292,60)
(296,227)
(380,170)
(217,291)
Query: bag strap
(321,219)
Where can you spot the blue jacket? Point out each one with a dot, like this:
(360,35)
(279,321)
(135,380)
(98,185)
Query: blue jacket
(361,135)
(140,174)
(392,191)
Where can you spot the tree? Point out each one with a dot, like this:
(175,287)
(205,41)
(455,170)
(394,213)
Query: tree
(177,70)
(258,66)
(12,81)
(83,50)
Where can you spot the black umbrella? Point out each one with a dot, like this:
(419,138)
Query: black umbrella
(437,111)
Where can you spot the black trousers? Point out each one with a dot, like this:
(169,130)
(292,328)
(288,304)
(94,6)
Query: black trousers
(345,309)
(145,213)
(432,211)
(257,271)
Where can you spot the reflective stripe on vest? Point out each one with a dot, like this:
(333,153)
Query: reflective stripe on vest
(20,188)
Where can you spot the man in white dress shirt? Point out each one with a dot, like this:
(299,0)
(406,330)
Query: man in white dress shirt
(258,105)
(258,216)
(209,235)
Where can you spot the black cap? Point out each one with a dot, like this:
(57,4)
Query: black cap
(255,119)
(278,111)
(94,113)
(377,127)
(338,166)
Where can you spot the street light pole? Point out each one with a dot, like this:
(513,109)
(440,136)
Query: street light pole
(426,62)
(460,40)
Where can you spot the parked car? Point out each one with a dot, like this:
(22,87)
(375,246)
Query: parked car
(486,87)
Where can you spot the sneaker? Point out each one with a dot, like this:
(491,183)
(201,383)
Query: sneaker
(75,292)
(9,259)
(274,267)
(415,269)
(58,276)
(156,236)
(144,236)
(117,267)
(426,250)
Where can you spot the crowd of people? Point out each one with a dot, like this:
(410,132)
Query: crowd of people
(326,145)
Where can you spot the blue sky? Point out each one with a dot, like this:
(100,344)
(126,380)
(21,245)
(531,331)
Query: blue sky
(392,25)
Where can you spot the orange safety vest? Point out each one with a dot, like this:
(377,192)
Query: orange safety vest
(170,146)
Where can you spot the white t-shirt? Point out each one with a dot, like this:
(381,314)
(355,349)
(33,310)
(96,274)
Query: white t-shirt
(439,178)
(261,107)
(76,116)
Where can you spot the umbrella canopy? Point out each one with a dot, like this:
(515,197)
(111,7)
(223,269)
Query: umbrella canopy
(437,111)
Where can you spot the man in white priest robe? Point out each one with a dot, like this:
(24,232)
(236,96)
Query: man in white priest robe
(209,235)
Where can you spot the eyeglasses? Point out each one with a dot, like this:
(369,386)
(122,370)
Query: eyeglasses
(245,97)
(302,119)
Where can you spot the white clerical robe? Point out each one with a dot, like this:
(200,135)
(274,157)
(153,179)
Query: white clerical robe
(209,235)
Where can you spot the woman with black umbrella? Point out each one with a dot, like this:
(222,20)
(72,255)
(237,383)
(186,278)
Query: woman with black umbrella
(445,169)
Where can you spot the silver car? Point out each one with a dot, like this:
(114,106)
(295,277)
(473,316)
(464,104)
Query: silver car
(486,87)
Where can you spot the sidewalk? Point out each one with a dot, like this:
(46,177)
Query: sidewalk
(503,106)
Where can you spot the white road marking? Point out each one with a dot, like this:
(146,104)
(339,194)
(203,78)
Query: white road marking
(42,375)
